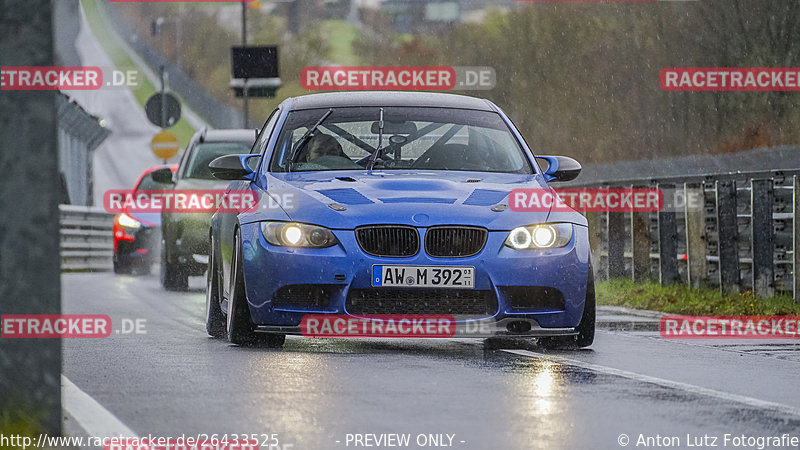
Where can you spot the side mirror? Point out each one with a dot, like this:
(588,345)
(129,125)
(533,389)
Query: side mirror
(560,168)
(162,176)
(233,167)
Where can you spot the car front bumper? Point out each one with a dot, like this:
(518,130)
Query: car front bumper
(186,235)
(544,288)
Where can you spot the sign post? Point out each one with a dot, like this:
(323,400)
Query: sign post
(163,110)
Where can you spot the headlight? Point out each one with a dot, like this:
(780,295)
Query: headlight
(128,221)
(544,235)
(288,234)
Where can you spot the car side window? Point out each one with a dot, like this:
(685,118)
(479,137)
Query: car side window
(266,132)
(149,183)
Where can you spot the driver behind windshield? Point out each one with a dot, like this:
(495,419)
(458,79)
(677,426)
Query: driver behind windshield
(322,144)
(427,138)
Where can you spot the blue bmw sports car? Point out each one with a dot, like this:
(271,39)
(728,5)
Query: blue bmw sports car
(374,204)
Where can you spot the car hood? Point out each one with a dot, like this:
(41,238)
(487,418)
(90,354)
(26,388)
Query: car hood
(413,198)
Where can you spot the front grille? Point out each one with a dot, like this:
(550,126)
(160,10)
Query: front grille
(388,240)
(422,301)
(455,242)
(304,295)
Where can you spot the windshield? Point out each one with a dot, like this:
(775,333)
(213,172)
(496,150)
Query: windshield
(203,154)
(412,138)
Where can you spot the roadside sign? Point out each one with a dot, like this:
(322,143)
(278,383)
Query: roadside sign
(255,62)
(256,87)
(255,71)
(171,113)
(164,145)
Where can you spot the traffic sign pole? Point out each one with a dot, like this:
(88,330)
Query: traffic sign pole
(163,103)
(245,105)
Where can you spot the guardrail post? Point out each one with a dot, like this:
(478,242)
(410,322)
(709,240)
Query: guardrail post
(762,237)
(615,230)
(728,229)
(667,238)
(30,369)
(640,245)
(796,238)
(694,212)
(594,221)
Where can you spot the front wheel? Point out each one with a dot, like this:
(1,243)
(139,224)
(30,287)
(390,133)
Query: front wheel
(585,329)
(240,328)
(173,276)
(121,268)
(215,320)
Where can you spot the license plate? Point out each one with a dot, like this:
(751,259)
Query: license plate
(424,276)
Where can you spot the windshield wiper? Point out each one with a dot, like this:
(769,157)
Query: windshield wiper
(304,139)
(380,141)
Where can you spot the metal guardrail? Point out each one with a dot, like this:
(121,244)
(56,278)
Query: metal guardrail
(86,239)
(742,236)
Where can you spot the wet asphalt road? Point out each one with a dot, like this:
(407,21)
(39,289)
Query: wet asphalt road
(175,380)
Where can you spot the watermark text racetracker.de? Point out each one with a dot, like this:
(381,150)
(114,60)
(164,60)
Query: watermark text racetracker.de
(730,79)
(383,325)
(396,326)
(67,326)
(397,78)
(202,441)
(181,1)
(67,78)
(604,199)
(196,200)
(730,327)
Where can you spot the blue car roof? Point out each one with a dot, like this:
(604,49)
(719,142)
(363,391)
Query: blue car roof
(388,98)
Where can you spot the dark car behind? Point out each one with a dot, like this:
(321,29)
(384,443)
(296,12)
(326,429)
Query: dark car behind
(185,242)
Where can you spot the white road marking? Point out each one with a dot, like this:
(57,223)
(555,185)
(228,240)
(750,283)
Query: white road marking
(90,415)
(749,401)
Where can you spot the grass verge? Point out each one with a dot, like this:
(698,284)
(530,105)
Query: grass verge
(681,299)
(340,36)
(108,40)
(19,421)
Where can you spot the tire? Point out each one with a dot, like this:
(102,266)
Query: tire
(173,276)
(122,268)
(240,328)
(585,328)
(215,320)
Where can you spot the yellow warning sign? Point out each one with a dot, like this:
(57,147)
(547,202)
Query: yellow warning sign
(164,145)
